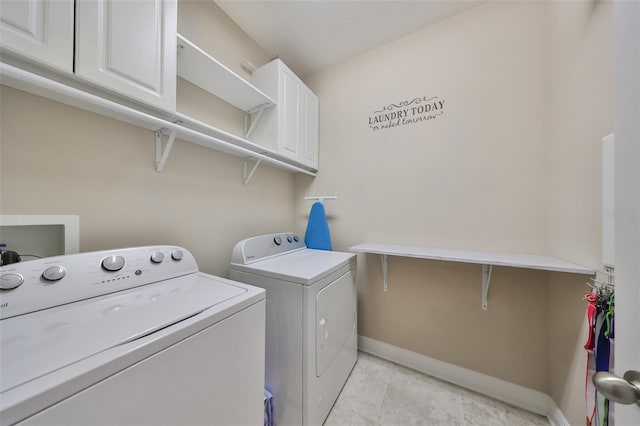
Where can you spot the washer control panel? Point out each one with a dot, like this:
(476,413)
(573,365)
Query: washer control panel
(52,281)
(264,246)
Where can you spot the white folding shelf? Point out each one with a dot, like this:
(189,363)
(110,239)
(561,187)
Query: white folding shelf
(485,258)
(205,71)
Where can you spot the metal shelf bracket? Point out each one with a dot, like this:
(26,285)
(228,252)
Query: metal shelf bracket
(247,177)
(384,272)
(486,280)
(253,116)
(161,157)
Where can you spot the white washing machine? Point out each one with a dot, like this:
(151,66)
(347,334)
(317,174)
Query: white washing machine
(311,344)
(129,337)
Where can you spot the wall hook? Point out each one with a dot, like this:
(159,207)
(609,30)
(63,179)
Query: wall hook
(321,198)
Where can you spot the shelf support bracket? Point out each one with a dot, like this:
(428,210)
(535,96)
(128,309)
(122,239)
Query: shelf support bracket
(254,121)
(247,177)
(385,265)
(249,117)
(161,157)
(486,280)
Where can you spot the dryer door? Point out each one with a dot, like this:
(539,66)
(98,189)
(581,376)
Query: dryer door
(335,319)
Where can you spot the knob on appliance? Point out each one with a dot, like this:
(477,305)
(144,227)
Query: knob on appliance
(113,263)
(157,257)
(277,241)
(177,255)
(290,239)
(10,281)
(295,238)
(54,273)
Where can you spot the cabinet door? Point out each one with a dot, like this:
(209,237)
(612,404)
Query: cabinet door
(129,47)
(309,121)
(40,30)
(289,141)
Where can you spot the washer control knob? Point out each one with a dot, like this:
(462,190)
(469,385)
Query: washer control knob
(54,273)
(157,257)
(113,263)
(277,241)
(10,281)
(290,239)
(295,238)
(177,255)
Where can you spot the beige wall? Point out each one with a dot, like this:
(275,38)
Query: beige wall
(476,176)
(60,160)
(434,308)
(512,165)
(580,114)
(473,178)
(565,344)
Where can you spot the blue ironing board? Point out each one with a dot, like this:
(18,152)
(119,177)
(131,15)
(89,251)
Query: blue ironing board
(317,235)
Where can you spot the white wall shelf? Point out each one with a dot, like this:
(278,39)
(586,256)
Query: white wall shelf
(198,126)
(205,71)
(206,136)
(485,258)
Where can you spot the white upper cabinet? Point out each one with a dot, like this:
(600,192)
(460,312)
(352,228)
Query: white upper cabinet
(129,47)
(40,30)
(309,127)
(291,127)
(94,53)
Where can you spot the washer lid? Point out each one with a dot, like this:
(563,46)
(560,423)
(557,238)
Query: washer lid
(36,344)
(304,266)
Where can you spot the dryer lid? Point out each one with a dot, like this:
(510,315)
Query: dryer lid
(36,344)
(305,266)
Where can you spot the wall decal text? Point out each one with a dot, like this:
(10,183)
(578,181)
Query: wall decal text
(407,112)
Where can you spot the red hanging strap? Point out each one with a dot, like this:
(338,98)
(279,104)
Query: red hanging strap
(589,392)
(591,320)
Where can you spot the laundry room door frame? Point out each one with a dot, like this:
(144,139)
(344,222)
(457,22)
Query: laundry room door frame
(627,196)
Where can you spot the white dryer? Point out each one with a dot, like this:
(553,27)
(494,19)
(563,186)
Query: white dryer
(311,339)
(128,337)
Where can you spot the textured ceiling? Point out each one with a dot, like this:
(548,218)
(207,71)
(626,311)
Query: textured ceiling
(310,35)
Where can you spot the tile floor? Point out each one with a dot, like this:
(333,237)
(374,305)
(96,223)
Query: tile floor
(380,393)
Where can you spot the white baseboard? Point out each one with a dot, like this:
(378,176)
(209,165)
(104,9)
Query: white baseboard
(555,416)
(519,396)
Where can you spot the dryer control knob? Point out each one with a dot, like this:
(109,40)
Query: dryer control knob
(290,239)
(10,281)
(295,238)
(177,255)
(113,263)
(157,257)
(277,241)
(54,273)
